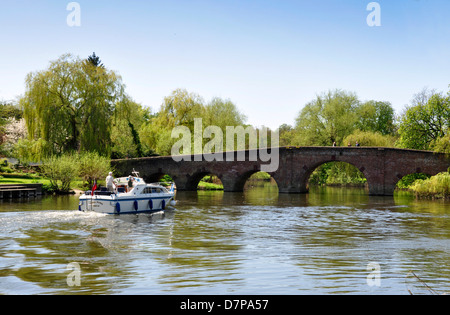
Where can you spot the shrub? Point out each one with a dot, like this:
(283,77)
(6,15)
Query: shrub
(435,187)
(93,166)
(410,179)
(61,171)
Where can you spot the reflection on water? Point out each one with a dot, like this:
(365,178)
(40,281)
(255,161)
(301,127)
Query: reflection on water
(256,242)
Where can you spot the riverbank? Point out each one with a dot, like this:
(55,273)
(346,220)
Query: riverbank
(27,179)
(435,187)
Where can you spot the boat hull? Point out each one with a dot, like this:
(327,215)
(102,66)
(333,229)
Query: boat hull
(125,205)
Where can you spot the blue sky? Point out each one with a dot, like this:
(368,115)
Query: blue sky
(269,57)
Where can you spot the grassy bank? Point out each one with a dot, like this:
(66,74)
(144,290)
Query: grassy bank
(210,183)
(23,178)
(209,186)
(435,187)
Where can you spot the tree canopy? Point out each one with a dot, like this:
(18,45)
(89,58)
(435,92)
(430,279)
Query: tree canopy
(79,105)
(70,105)
(327,119)
(426,121)
(181,108)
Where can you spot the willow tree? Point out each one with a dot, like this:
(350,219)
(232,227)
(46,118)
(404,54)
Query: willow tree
(70,105)
(327,119)
(178,109)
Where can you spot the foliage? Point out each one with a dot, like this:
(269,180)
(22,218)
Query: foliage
(442,145)
(334,115)
(222,113)
(377,117)
(61,171)
(370,139)
(337,173)
(181,108)
(424,123)
(70,105)
(92,166)
(407,181)
(436,187)
(9,110)
(287,134)
(126,124)
(28,151)
(327,119)
(95,61)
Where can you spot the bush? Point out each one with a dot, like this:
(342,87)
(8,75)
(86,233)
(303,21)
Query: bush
(93,166)
(61,171)
(410,179)
(436,187)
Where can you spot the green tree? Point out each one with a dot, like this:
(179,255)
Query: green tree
(125,137)
(424,123)
(27,151)
(327,119)
(370,139)
(178,109)
(376,117)
(287,134)
(222,113)
(181,108)
(70,105)
(95,61)
(442,145)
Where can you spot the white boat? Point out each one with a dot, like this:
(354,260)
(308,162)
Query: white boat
(131,195)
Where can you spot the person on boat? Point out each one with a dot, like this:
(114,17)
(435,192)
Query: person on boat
(109,182)
(130,182)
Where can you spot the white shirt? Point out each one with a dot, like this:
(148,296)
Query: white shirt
(109,180)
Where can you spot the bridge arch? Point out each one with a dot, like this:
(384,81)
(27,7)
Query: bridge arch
(408,179)
(154,177)
(193,180)
(243,178)
(353,168)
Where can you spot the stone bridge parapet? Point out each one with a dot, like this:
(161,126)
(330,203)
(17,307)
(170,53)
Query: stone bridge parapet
(382,167)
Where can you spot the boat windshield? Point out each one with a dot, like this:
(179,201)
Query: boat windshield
(153,190)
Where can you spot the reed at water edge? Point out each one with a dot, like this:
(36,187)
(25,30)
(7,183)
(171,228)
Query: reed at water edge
(435,187)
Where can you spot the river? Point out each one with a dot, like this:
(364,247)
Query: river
(331,241)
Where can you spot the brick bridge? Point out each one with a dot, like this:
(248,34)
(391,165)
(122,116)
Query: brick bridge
(382,167)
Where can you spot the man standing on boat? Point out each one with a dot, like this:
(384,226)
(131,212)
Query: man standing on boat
(109,182)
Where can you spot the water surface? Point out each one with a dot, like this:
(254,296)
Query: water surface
(257,242)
